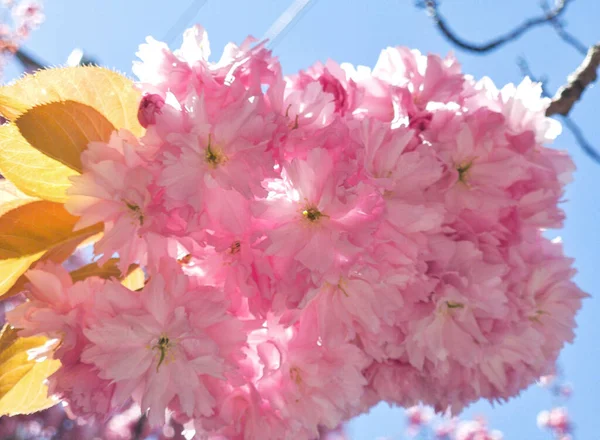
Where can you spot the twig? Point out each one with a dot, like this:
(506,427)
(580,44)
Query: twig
(569,123)
(551,16)
(559,27)
(570,93)
(580,138)
(29,63)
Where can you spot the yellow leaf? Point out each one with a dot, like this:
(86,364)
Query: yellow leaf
(11,108)
(58,254)
(33,172)
(62,130)
(44,149)
(35,229)
(107,270)
(12,281)
(90,240)
(30,394)
(29,169)
(109,92)
(64,250)
(13,203)
(8,335)
(9,192)
(22,379)
(135,280)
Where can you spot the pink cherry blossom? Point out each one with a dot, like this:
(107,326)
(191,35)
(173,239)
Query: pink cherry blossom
(307,219)
(227,150)
(167,346)
(114,189)
(59,308)
(310,382)
(556,420)
(150,105)
(476,430)
(334,81)
(312,245)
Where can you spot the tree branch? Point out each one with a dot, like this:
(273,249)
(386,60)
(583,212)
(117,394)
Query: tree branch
(570,93)
(569,123)
(550,16)
(559,27)
(29,63)
(580,138)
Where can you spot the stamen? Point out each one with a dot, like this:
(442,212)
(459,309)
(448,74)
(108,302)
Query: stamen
(295,124)
(536,317)
(185,259)
(163,346)
(295,375)
(312,214)
(136,210)
(212,155)
(455,305)
(235,247)
(463,170)
(341,287)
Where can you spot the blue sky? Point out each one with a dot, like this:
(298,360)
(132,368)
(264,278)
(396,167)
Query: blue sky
(355,31)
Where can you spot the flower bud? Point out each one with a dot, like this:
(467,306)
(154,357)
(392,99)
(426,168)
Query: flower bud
(150,105)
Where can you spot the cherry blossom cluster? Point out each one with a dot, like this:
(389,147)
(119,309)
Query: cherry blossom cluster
(557,420)
(59,423)
(313,244)
(19,19)
(420,421)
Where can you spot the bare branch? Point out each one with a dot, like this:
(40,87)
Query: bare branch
(575,130)
(571,92)
(559,27)
(580,138)
(29,63)
(551,16)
